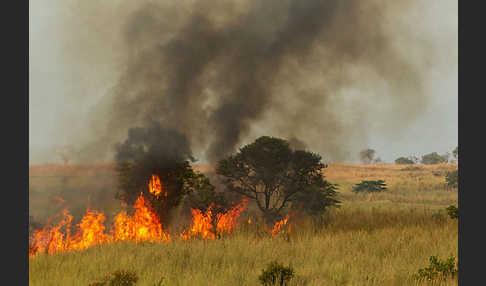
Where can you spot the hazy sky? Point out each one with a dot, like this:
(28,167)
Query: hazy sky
(69,75)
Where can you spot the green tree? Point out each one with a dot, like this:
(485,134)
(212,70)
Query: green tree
(370,186)
(366,156)
(404,161)
(202,194)
(433,158)
(272,174)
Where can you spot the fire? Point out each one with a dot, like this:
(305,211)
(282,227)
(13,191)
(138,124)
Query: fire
(227,221)
(204,224)
(143,225)
(155,187)
(278,226)
(201,225)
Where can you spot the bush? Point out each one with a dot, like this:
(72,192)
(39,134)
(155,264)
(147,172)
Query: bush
(370,186)
(276,274)
(433,158)
(438,270)
(404,161)
(118,278)
(453,212)
(452,178)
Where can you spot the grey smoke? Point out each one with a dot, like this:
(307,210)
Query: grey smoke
(216,70)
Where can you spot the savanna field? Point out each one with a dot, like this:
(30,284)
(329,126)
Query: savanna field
(371,239)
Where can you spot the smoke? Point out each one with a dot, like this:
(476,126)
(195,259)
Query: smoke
(225,72)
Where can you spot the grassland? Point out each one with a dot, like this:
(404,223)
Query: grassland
(379,239)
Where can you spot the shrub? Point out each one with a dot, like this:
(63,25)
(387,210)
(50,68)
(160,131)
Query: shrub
(453,212)
(438,270)
(404,161)
(370,186)
(452,178)
(276,274)
(433,158)
(118,278)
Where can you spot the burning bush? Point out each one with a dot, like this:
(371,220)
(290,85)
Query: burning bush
(155,151)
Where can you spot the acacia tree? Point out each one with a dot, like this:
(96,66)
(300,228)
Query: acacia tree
(269,172)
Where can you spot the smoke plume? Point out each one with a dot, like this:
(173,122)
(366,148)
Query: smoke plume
(224,72)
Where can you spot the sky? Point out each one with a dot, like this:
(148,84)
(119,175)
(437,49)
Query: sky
(63,87)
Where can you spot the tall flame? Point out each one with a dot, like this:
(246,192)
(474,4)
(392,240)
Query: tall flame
(144,225)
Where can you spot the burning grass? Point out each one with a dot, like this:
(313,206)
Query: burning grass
(350,247)
(378,239)
(144,225)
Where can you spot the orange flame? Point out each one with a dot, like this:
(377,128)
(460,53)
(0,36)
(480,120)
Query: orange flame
(155,187)
(203,224)
(144,225)
(278,226)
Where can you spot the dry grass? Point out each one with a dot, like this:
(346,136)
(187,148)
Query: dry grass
(379,239)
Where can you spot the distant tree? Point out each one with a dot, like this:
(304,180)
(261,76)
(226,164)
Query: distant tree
(404,161)
(370,186)
(272,174)
(432,158)
(455,153)
(366,156)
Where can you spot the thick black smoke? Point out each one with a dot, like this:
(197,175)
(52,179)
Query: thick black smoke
(213,70)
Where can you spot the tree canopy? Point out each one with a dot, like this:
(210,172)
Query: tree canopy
(272,174)
(434,158)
